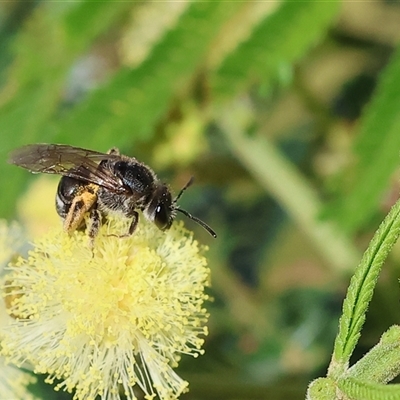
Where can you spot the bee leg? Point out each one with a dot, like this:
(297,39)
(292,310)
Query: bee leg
(113,150)
(79,207)
(93,226)
(134,223)
(75,215)
(132,226)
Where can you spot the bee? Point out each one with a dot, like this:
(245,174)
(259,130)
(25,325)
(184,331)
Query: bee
(100,184)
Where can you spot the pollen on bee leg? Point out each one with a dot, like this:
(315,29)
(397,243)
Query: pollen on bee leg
(79,207)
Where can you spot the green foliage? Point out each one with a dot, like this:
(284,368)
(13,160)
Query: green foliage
(381,363)
(88,19)
(274,42)
(31,97)
(218,103)
(366,379)
(356,390)
(130,104)
(361,287)
(376,151)
(353,389)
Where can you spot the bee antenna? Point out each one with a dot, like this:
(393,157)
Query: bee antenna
(195,219)
(189,183)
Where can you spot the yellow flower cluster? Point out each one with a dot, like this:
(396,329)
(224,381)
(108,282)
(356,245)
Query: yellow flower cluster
(107,320)
(13,381)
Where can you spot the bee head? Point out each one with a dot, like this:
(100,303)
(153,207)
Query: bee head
(160,209)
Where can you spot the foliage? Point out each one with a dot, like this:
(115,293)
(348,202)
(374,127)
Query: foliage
(287,114)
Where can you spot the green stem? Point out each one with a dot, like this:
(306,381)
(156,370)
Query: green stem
(291,190)
(382,363)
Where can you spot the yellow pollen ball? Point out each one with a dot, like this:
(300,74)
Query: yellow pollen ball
(117,315)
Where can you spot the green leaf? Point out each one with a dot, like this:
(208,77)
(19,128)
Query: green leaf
(360,291)
(376,151)
(91,18)
(382,363)
(44,53)
(358,390)
(281,38)
(129,106)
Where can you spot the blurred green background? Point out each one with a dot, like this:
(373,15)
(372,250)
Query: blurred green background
(288,115)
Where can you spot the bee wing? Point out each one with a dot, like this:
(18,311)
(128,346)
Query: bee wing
(65,160)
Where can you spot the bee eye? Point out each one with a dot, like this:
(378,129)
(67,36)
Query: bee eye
(162,217)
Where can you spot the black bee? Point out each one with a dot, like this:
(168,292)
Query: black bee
(100,184)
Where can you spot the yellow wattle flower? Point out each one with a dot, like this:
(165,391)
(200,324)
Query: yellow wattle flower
(118,316)
(13,381)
